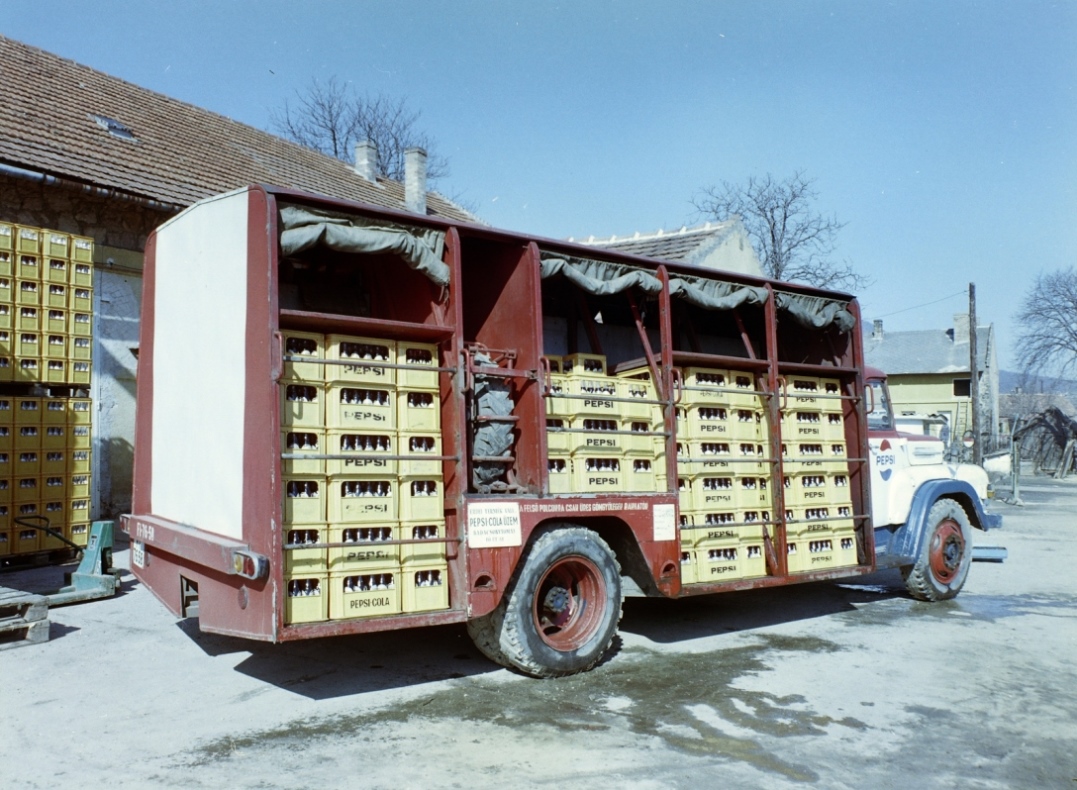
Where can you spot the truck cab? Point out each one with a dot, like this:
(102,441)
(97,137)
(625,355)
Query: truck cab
(923,509)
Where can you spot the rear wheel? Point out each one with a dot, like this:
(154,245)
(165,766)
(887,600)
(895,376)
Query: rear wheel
(561,614)
(943,564)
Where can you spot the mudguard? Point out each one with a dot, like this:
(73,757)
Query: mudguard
(898,545)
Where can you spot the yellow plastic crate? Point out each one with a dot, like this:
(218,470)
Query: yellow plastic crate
(597,474)
(7,370)
(57,322)
(53,437)
(710,423)
(745,394)
(78,437)
(79,323)
(55,296)
(28,411)
(7,316)
(79,411)
(6,490)
(559,473)
(7,440)
(706,387)
(713,492)
(583,365)
(558,438)
(55,346)
(54,486)
(366,360)
(6,517)
(308,442)
(78,533)
(696,457)
(28,370)
(54,512)
(56,271)
(78,460)
(364,449)
(7,237)
(27,437)
(27,541)
(7,290)
(304,500)
(28,319)
(596,435)
(77,486)
(309,346)
(28,293)
(743,561)
(689,568)
(355,500)
(817,393)
(56,244)
(365,407)
(27,464)
(7,263)
(752,492)
(420,444)
(28,344)
(28,269)
(433,551)
(26,489)
(306,598)
(367,546)
(419,410)
(54,462)
(5,542)
(28,239)
(371,593)
(304,549)
(806,554)
(641,396)
(80,300)
(420,355)
(644,474)
(7,342)
(425,588)
(58,371)
(302,406)
(78,509)
(422,499)
(82,251)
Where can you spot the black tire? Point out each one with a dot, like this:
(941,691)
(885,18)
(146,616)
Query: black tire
(945,556)
(560,615)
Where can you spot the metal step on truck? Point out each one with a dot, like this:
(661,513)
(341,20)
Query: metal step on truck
(352,419)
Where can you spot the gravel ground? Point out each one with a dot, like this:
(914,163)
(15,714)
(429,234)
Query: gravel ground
(831,685)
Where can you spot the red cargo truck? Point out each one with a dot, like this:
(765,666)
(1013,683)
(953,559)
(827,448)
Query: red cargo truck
(352,419)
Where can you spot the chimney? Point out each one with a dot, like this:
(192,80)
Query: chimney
(366,160)
(877,332)
(415,180)
(961,327)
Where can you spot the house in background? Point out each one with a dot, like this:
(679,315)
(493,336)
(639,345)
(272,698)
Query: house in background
(715,245)
(85,153)
(930,378)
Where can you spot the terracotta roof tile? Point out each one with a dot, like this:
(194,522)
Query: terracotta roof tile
(181,153)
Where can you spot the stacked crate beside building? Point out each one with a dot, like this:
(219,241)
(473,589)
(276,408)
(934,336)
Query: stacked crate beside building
(363,511)
(46,320)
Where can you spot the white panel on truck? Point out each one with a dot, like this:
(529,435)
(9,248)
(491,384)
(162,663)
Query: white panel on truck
(199,351)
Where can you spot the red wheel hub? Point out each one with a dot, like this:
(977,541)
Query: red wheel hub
(946,550)
(569,602)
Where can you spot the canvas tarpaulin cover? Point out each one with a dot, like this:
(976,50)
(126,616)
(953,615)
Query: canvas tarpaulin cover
(815,312)
(420,248)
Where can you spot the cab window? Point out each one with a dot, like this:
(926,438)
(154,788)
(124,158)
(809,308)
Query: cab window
(880,418)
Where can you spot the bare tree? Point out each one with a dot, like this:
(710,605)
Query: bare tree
(331,118)
(1047,325)
(794,242)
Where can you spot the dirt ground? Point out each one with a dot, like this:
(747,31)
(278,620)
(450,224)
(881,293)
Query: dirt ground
(827,685)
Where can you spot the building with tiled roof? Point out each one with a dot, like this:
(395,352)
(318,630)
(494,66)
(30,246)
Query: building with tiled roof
(715,245)
(86,153)
(929,372)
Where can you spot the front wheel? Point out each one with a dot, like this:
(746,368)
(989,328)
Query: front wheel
(943,564)
(561,614)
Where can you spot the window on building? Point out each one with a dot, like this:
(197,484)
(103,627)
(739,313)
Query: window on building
(962,388)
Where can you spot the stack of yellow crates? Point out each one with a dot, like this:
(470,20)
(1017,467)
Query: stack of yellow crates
(46,306)
(46,309)
(603,432)
(349,406)
(723,473)
(820,532)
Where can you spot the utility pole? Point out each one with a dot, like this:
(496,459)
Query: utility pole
(974,381)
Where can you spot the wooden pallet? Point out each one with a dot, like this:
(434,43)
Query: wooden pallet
(24,618)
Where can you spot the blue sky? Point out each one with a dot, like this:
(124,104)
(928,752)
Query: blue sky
(943,133)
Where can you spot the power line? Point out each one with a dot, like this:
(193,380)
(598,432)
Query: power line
(962,292)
